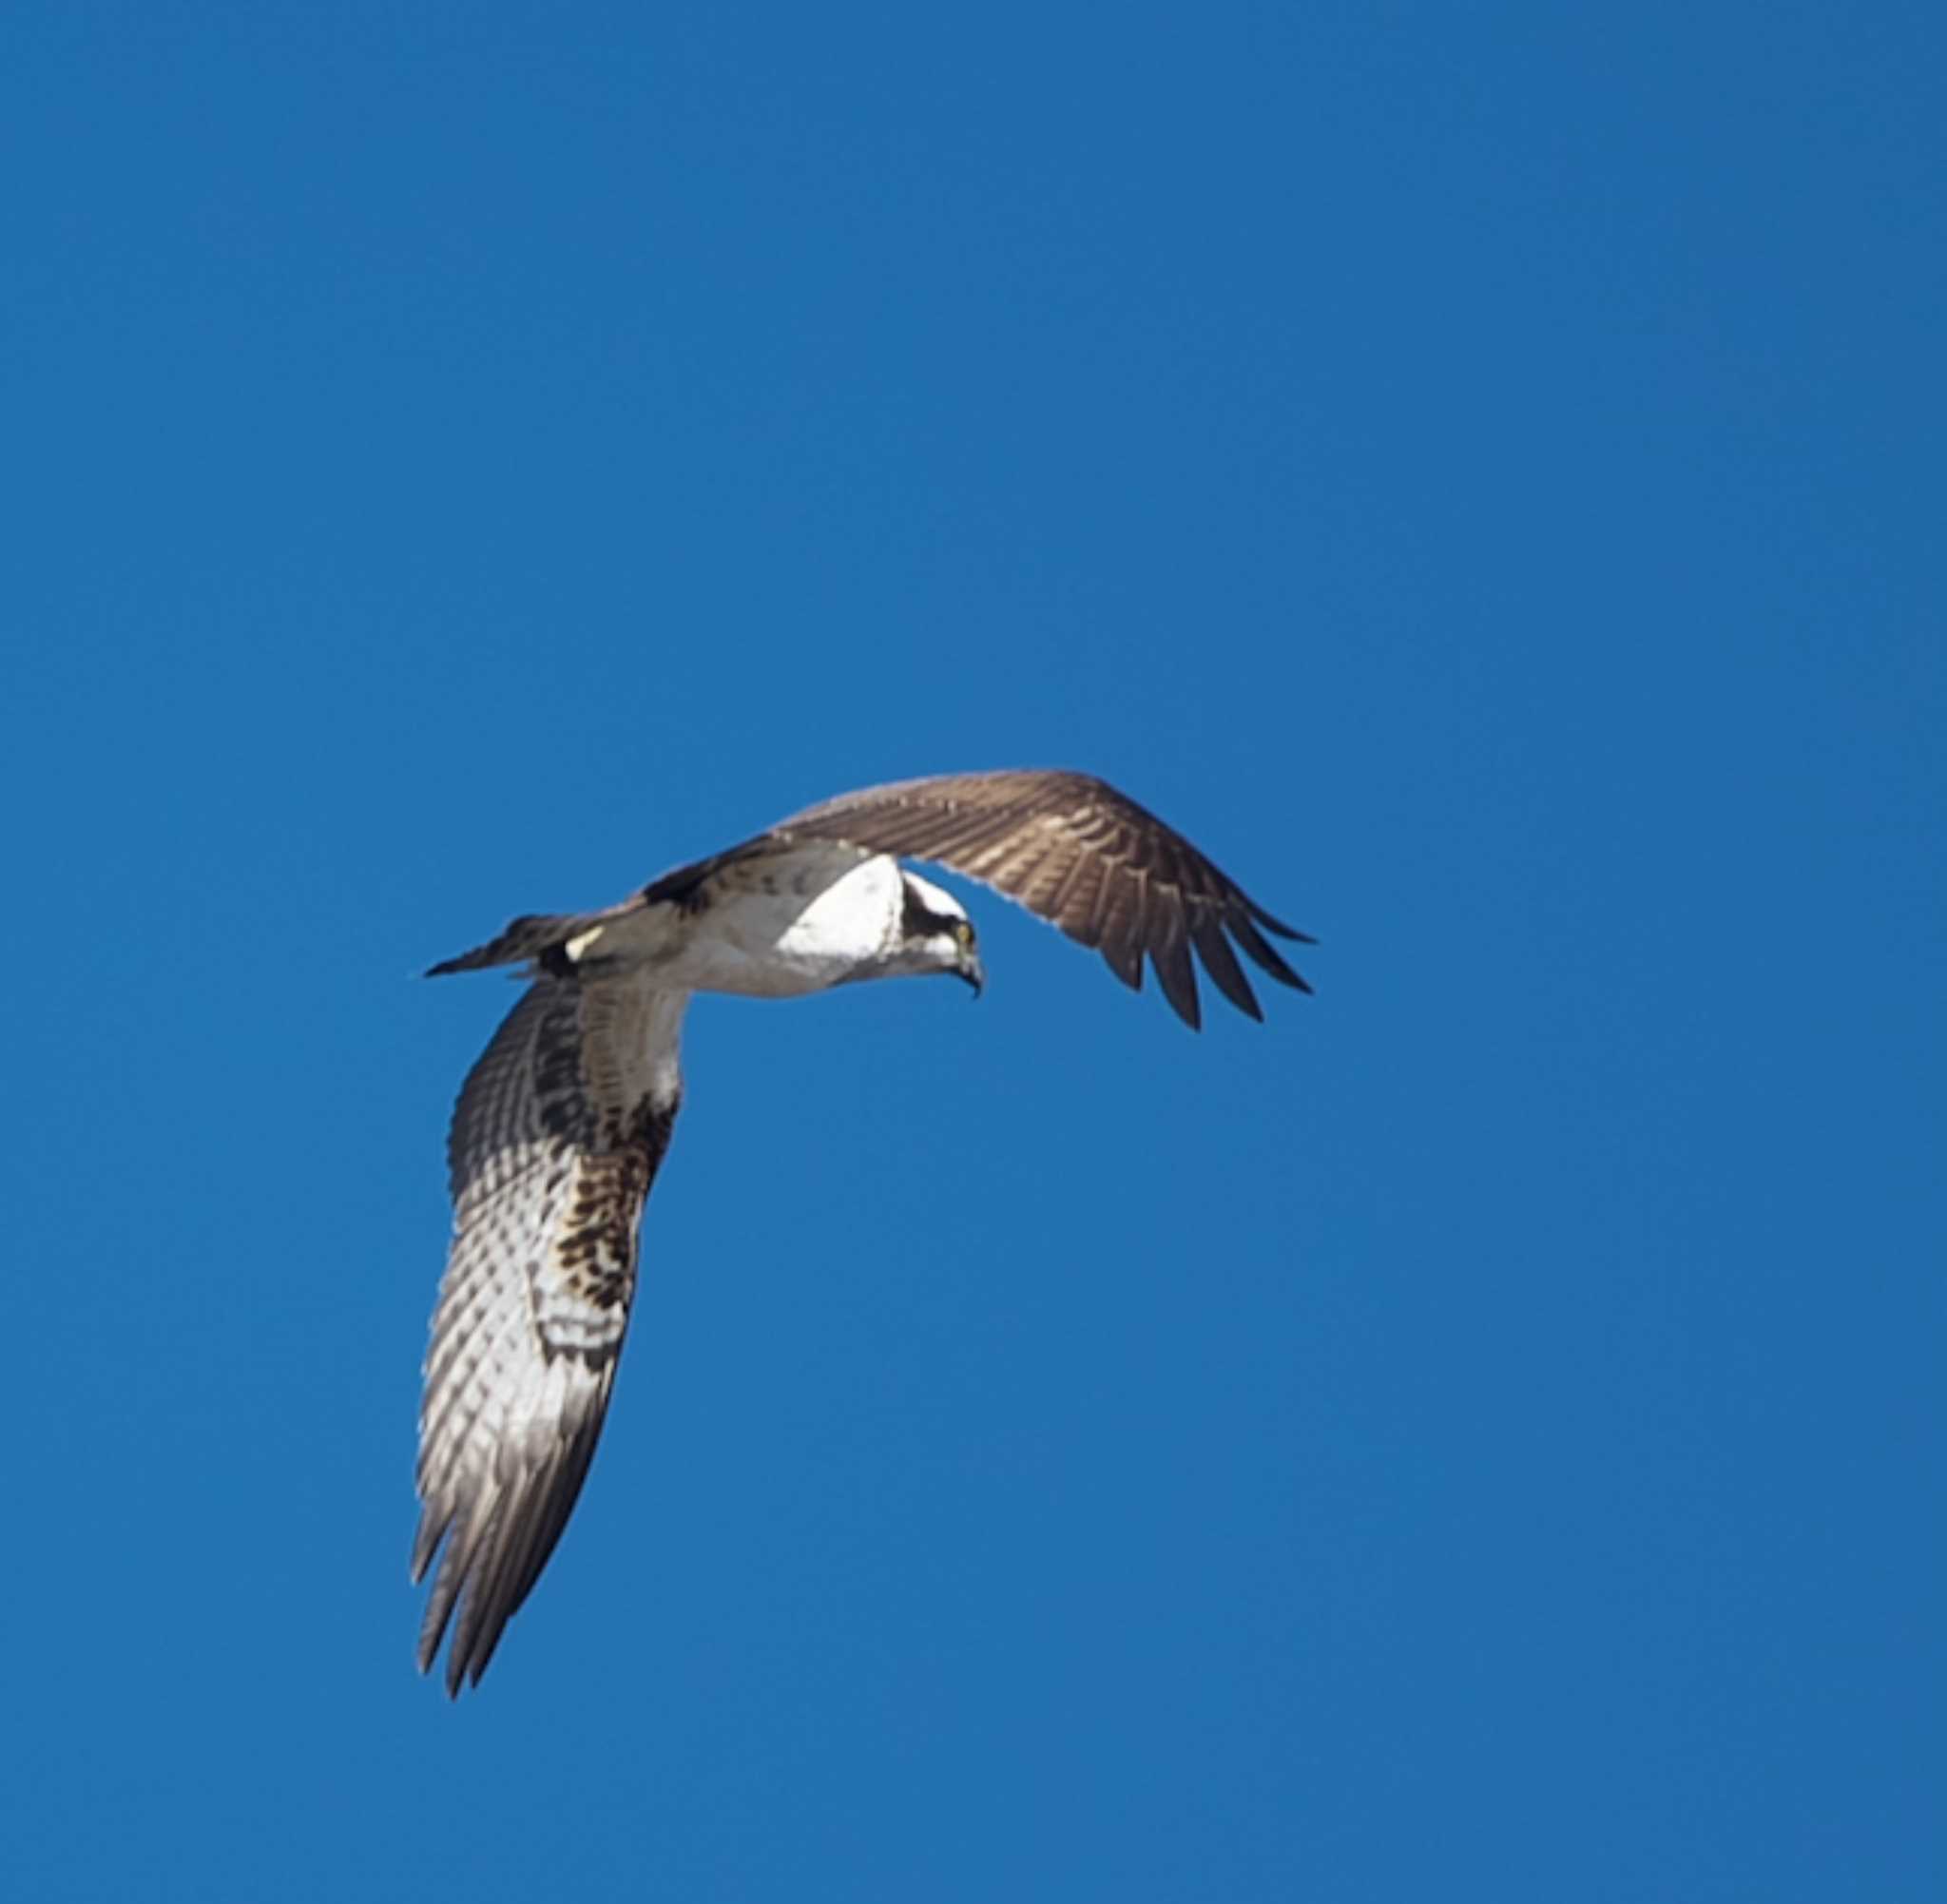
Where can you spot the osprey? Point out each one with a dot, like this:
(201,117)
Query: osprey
(562,1123)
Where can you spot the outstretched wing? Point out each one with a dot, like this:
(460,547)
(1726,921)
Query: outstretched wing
(1069,847)
(557,1135)
(1083,856)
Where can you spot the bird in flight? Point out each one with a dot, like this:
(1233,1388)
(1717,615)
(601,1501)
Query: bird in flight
(562,1123)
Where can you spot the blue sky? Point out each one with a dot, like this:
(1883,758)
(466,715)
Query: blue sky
(1476,471)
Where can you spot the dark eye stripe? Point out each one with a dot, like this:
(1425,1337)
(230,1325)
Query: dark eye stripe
(920,920)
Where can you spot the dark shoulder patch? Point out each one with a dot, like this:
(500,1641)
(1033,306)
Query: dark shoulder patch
(687,887)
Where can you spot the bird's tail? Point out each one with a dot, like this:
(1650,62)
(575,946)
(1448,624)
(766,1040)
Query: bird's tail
(527,941)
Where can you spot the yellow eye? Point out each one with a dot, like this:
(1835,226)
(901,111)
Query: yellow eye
(963,931)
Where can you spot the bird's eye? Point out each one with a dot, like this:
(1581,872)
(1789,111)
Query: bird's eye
(963,931)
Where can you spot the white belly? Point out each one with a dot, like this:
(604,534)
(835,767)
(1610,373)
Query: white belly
(774,929)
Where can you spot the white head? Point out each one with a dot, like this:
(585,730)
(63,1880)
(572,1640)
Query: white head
(935,934)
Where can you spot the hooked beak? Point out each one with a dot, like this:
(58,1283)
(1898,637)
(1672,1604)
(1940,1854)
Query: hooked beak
(971,970)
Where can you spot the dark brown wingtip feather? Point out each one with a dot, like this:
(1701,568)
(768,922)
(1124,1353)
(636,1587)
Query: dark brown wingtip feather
(1125,962)
(1275,925)
(1264,952)
(1221,963)
(1177,976)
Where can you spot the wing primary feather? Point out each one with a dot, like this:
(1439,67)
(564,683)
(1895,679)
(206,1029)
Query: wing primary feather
(527,1527)
(1262,950)
(1125,962)
(1175,973)
(1221,961)
(1270,924)
(446,1585)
